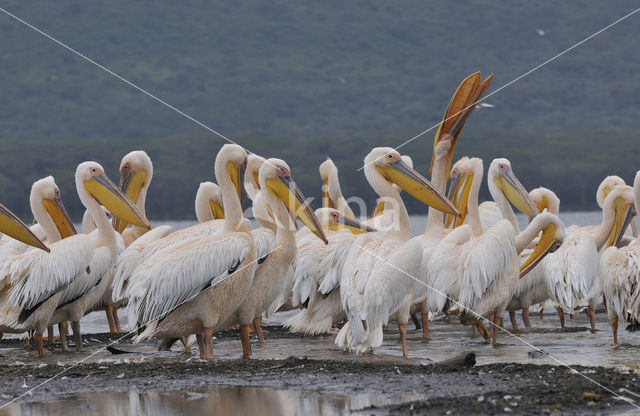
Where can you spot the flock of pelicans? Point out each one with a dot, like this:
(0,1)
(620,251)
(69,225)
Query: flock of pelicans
(472,257)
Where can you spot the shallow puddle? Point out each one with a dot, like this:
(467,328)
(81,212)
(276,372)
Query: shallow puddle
(216,401)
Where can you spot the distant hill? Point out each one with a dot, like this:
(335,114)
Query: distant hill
(306,80)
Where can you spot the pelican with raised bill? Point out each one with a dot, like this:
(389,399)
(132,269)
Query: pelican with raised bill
(378,276)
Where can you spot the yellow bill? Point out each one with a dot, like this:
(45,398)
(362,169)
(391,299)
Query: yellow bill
(216,210)
(131,183)
(356,227)
(624,213)
(515,193)
(548,244)
(107,194)
(12,226)
(462,104)
(326,199)
(415,184)
(236,174)
(286,190)
(463,203)
(60,217)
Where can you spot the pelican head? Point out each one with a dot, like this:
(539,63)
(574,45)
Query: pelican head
(45,194)
(607,186)
(545,198)
(333,220)
(92,184)
(12,226)
(456,184)
(387,163)
(252,185)
(209,202)
(327,169)
(621,200)
(275,176)
(551,239)
(136,171)
(231,162)
(502,179)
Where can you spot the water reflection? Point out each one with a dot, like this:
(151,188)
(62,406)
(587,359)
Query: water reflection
(218,401)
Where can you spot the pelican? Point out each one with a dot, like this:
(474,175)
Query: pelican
(136,172)
(193,287)
(209,203)
(485,264)
(531,289)
(374,283)
(274,275)
(260,210)
(456,114)
(87,290)
(619,268)
(332,195)
(318,268)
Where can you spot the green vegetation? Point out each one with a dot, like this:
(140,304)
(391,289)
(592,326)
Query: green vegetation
(306,80)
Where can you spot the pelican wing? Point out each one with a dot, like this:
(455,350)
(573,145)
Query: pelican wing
(264,240)
(177,275)
(619,273)
(84,282)
(37,275)
(444,268)
(318,266)
(488,257)
(131,257)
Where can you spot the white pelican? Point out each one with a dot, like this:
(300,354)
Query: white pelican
(318,268)
(136,172)
(485,264)
(274,276)
(194,286)
(332,195)
(87,290)
(259,209)
(209,203)
(374,283)
(619,268)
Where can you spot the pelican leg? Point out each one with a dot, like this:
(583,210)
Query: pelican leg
(50,338)
(256,327)
(525,317)
(65,324)
(187,348)
(541,313)
(496,323)
(77,336)
(425,325)
(570,316)
(592,319)
(614,328)
(512,317)
(1,335)
(112,325)
(116,319)
(493,327)
(63,337)
(200,342)
(207,352)
(604,302)
(560,316)
(38,338)
(402,328)
(246,340)
(483,330)
(416,321)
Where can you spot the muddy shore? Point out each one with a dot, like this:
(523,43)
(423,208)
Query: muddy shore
(484,389)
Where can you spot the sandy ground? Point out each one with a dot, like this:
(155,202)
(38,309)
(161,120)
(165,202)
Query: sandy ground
(508,378)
